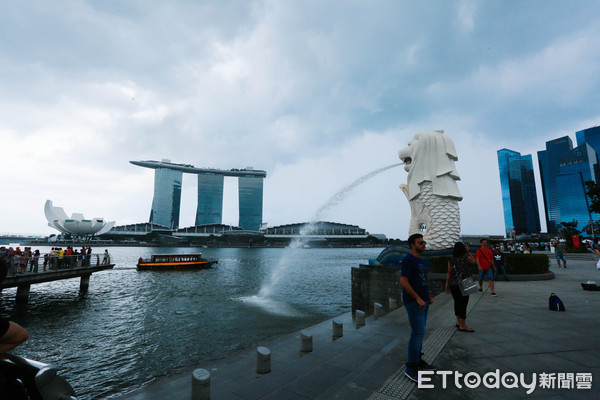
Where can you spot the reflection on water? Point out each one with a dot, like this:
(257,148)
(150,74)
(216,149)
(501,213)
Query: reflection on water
(132,327)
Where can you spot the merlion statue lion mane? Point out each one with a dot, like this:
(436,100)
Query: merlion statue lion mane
(431,188)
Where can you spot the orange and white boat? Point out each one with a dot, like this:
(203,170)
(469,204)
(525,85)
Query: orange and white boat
(168,262)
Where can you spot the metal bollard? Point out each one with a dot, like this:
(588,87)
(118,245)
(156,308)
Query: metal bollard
(360,318)
(200,384)
(306,342)
(338,329)
(263,360)
(393,303)
(378,310)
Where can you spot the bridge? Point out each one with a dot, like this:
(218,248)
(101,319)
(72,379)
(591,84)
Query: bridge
(68,270)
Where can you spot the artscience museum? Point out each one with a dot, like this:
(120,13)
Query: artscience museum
(77,224)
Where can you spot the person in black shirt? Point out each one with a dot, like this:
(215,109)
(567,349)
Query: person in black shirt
(499,263)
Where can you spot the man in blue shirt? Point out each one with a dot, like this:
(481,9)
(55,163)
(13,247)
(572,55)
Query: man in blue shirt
(416,299)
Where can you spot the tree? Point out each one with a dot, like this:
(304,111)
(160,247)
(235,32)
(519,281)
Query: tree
(593,192)
(568,231)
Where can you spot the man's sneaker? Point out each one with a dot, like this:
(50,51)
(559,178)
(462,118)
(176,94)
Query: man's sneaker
(426,367)
(412,374)
(494,294)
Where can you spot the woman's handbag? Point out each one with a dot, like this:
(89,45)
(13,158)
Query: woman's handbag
(466,285)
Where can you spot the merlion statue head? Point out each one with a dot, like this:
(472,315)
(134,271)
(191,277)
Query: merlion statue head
(430,156)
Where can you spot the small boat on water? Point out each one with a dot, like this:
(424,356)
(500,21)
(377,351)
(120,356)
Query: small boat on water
(168,262)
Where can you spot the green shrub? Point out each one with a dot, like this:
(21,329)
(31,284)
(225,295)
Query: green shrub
(518,264)
(581,249)
(515,264)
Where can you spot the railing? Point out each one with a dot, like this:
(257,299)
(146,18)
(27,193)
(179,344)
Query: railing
(23,379)
(51,263)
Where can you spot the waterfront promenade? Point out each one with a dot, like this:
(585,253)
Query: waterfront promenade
(515,333)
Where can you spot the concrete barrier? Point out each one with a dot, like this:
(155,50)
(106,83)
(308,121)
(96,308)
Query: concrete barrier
(306,342)
(200,384)
(378,310)
(393,303)
(360,319)
(338,329)
(263,360)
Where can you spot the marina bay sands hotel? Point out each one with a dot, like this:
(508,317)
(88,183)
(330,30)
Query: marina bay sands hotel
(167,194)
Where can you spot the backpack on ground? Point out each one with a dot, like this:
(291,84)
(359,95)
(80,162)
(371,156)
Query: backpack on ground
(555,303)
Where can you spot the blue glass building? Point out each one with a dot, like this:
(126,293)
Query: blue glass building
(250,191)
(167,197)
(519,197)
(549,163)
(590,136)
(210,199)
(576,167)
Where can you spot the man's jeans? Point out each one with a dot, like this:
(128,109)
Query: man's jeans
(501,269)
(417,320)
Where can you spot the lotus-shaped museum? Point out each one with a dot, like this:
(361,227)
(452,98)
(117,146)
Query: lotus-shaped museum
(77,224)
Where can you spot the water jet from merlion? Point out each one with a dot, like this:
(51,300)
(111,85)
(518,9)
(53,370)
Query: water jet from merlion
(267,298)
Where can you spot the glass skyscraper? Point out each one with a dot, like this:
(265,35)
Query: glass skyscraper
(250,192)
(210,199)
(590,136)
(167,197)
(576,168)
(549,163)
(519,197)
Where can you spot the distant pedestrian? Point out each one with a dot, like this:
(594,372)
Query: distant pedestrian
(485,265)
(35,261)
(458,269)
(596,252)
(499,263)
(105,258)
(416,299)
(559,251)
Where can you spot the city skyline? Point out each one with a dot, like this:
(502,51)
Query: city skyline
(563,171)
(316,94)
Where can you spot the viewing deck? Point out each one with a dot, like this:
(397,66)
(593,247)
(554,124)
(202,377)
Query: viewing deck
(67,268)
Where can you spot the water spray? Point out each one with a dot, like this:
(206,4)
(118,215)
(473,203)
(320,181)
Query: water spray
(269,285)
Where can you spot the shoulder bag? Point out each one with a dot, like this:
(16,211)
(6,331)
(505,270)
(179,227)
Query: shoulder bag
(466,284)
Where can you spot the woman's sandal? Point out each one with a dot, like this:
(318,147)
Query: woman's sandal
(469,330)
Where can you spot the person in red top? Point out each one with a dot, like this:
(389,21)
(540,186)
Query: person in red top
(485,265)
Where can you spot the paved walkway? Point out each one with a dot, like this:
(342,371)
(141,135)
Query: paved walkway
(515,333)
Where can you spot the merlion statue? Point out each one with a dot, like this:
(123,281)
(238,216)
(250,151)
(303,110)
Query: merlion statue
(431,188)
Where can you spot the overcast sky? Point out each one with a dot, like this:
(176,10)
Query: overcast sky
(316,93)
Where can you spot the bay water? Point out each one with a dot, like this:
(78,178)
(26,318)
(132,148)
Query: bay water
(133,327)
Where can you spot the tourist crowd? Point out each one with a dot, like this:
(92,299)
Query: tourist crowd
(22,261)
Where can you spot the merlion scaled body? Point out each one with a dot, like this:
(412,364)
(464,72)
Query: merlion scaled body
(431,188)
